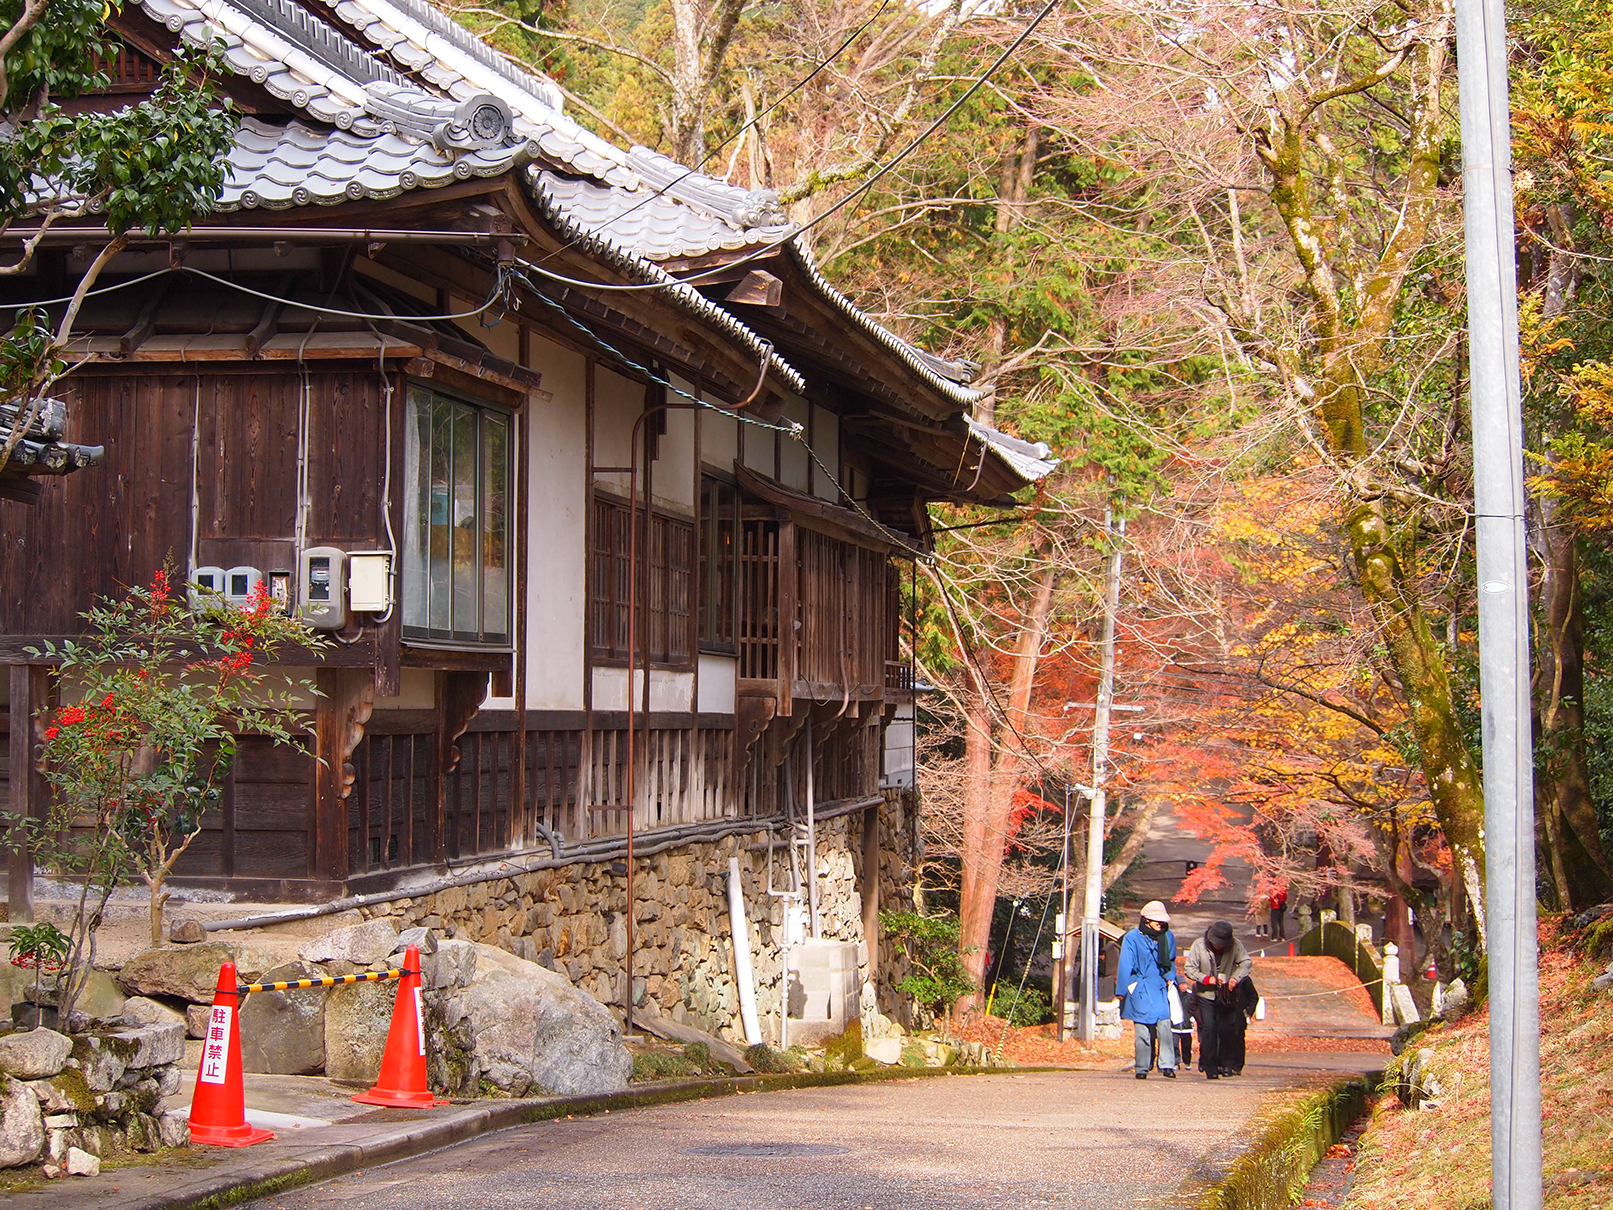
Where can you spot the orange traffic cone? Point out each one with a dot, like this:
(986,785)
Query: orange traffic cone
(218,1110)
(1290,949)
(402,1082)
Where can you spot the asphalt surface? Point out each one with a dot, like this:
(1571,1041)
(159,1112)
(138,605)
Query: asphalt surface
(996,1142)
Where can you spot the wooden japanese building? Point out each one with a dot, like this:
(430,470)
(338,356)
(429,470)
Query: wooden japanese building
(432,316)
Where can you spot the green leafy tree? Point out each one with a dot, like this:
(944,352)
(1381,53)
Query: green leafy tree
(163,688)
(938,979)
(153,166)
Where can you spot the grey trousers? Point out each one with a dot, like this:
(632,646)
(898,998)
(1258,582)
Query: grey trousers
(1146,1036)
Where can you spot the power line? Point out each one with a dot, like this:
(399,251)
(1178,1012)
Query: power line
(712,154)
(885,170)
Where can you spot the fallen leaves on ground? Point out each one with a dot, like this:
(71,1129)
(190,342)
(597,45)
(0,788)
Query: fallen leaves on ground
(1412,1159)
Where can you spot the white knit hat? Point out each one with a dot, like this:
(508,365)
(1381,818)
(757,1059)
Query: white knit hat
(1155,910)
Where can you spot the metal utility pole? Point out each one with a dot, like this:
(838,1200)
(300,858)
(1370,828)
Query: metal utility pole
(1498,503)
(1092,906)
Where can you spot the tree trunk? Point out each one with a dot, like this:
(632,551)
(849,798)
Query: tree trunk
(977,892)
(993,773)
(1575,859)
(1449,770)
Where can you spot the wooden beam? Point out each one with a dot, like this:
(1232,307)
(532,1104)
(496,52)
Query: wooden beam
(146,322)
(758,289)
(339,719)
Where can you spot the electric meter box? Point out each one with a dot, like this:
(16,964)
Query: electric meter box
(207,589)
(239,585)
(369,575)
(322,588)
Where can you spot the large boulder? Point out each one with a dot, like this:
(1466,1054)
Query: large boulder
(142,1010)
(535,1032)
(450,964)
(188,972)
(357,1017)
(36,1054)
(101,997)
(283,1033)
(22,1126)
(360,944)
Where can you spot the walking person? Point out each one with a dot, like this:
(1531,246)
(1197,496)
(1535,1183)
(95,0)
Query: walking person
(1216,964)
(1147,967)
(1279,907)
(1263,916)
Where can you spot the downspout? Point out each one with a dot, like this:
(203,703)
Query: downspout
(744,978)
(812,839)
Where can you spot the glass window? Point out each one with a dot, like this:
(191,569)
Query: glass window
(719,513)
(456,521)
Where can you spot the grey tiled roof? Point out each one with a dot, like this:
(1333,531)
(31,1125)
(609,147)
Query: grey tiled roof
(925,365)
(276,167)
(1030,460)
(630,262)
(400,97)
(653,225)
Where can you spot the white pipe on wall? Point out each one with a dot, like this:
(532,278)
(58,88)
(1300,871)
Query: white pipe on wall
(743,976)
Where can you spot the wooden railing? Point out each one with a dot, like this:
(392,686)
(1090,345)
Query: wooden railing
(576,789)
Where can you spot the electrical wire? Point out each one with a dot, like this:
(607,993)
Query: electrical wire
(717,150)
(492,299)
(885,170)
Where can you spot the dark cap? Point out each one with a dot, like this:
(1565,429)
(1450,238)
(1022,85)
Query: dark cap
(1219,934)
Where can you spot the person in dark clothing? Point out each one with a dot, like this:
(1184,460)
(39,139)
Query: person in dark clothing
(1217,966)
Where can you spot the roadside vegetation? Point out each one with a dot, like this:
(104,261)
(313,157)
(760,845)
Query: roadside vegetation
(1438,1153)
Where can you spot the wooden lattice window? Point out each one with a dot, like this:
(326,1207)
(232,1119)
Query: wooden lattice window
(666,558)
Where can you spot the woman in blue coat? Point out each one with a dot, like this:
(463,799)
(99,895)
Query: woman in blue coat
(1146,969)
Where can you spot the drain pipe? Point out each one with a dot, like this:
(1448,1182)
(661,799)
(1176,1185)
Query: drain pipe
(743,976)
(812,838)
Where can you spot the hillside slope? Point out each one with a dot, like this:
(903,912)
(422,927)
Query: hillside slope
(1438,1154)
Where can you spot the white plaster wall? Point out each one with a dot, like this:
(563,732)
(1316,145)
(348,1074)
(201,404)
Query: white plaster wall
(672,691)
(719,439)
(557,502)
(417,690)
(618,403)
(826,444)
(795,466)
(756,449)
(674,478)
(717,682)
(899,748)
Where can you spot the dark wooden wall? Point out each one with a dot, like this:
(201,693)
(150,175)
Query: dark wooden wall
(116,523)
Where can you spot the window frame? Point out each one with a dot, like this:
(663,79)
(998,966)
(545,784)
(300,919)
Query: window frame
(420,474)
(658,596)
(717,565)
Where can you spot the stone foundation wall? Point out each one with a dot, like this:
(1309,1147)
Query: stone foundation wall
(573,920)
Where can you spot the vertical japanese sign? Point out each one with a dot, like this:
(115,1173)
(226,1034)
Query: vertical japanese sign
(216,1052)
(420,1020)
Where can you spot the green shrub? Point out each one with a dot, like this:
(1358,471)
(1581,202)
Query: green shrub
(699,1054)
(659,1065)
(1023,1007)
(938,980)
(768,1060)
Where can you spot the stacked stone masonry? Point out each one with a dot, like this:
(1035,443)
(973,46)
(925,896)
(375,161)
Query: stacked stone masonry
(573,920)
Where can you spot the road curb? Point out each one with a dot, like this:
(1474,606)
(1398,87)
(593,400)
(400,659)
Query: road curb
(1265,1166)
(245,1181)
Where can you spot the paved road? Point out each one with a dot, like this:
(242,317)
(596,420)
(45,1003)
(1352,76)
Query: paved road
(1001,1142)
